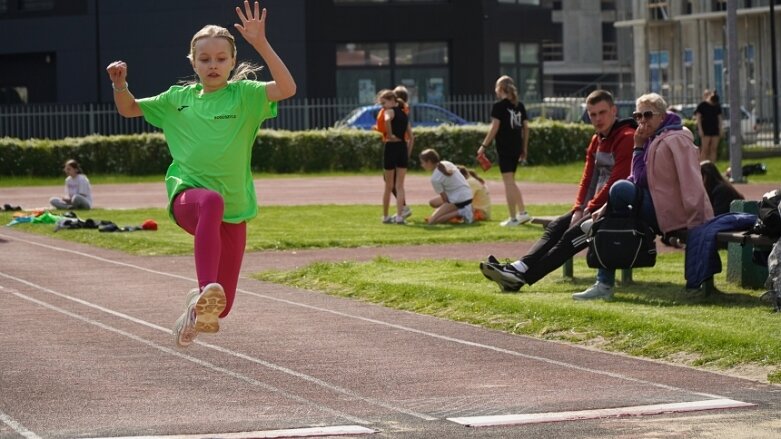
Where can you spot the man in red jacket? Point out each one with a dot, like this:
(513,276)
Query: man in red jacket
(608,159)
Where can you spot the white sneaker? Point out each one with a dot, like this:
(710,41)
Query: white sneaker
(523,218)
(184,329)
(406,212)
(211,303)
(388,220)
(399,220)
(510,222)
(596,291)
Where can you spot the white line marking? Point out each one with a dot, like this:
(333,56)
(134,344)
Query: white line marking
(191,359)
(267,364)
(391,325)
(641,410)
(338,430)
(17,427)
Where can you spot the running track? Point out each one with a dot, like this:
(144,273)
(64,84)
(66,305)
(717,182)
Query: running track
(85,351)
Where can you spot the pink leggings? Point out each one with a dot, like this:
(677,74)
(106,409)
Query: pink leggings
(219,246)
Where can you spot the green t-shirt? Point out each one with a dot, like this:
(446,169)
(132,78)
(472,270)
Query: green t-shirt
(210,137)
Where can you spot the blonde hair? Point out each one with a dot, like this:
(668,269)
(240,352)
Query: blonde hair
(245,70)
(507,86)
(655,100)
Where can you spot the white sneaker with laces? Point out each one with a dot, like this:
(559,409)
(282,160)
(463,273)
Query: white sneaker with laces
(406,212)
(184,329)
(389,220)
(596,291)
(510,222)
(523,218)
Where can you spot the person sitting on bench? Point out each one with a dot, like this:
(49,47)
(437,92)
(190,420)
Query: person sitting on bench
(608,159)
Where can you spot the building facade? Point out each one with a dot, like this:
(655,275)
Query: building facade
(586,50)
(680,49)
(56,51)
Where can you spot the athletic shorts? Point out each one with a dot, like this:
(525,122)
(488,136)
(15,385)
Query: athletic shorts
(395,155)
(508,158)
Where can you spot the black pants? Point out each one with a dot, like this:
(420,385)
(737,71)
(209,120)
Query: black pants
(559,243)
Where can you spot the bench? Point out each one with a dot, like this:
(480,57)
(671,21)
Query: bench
(740,238)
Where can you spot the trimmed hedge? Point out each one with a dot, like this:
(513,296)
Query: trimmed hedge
(283,151)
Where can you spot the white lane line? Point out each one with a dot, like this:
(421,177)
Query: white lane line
(17,427)
(300,375)
(640,410)
(392,325)
(202,363)
(337,430)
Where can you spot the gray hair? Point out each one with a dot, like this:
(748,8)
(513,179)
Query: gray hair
(654,100)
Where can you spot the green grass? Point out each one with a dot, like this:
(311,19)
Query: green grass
(294,227)
(655,317)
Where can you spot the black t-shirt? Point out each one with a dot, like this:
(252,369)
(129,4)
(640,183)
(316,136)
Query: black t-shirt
(709,118)
(399,122)
(511,119)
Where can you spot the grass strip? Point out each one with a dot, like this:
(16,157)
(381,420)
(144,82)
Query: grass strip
(656,317)
(293,227)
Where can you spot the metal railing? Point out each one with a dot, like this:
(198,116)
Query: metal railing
(55,121)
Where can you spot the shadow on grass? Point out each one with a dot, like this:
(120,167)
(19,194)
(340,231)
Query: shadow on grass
(669,294)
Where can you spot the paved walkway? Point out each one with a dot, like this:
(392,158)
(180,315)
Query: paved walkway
(310,190)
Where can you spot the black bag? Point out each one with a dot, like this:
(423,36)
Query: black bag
(621,242)
(769,220)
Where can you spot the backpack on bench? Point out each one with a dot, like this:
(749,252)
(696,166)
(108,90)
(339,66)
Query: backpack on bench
(621,240)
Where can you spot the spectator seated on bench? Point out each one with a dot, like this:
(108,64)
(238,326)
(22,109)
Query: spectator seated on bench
(608,159)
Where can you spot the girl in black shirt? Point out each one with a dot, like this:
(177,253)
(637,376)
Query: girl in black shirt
(396,153)
(510,129)
(708,115)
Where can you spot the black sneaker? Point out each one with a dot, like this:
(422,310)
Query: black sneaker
(506,276)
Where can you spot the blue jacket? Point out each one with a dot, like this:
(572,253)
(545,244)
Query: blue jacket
(702,256)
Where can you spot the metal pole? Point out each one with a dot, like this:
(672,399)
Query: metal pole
(98,84)
(774,71)
(735,142)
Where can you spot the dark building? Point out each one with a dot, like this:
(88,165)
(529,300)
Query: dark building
(57,50)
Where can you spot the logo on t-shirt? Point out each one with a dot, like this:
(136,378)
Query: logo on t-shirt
(516,119)
(225,116)
(182,107)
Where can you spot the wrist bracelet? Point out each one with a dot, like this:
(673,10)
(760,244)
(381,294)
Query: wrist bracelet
(119,90)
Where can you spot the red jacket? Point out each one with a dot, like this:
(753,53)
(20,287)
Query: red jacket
(608,159)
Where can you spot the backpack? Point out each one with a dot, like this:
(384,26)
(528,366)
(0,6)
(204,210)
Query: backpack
(621,241)
(769,220)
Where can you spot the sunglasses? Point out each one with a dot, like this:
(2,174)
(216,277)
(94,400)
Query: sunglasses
(638,116)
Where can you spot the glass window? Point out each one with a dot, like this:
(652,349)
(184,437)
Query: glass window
(659,63)
(421,53)
(507,53)
(521,2)
(357,54)
(362,84)
(424,84)
(718,70)
(529,53)
(36,5)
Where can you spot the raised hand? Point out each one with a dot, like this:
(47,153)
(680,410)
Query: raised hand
(117,72)
(253,24)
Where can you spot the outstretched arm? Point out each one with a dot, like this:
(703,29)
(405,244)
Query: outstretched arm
(123,99)
(253,29)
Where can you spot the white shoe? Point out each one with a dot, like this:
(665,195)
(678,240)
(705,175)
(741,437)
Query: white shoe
(523,218)
(184,329)
(389,220)
(596,291)
(510,222)
(399,220)
(406,212)
(211,303)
